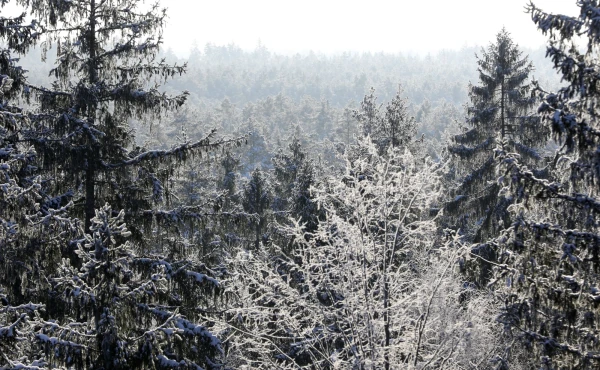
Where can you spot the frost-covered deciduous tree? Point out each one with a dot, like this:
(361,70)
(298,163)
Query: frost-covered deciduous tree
(369,288)
(549,261)
(499,113)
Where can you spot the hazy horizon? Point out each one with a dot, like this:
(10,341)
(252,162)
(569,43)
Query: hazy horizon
(337,26)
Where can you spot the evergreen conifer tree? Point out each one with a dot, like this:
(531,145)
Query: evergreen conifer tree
(549,259)
(33,228)
(393,127)
(499,114)
(106,74)
(256,200)
(128,311)
(294,175)
(103,298)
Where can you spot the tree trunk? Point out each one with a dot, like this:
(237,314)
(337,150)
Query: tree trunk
(93,150)
(502,107)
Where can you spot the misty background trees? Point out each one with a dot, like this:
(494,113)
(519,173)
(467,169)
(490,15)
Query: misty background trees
(351,211)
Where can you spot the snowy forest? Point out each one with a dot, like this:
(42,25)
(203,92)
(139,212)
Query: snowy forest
(249,210)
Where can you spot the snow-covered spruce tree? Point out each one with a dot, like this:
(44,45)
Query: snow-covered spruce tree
(346,127)
(548,268)
(286,166)
(230,164)
(124,309)
(256,200)
(33,227)
(294,175)
(368,289)
(29,237)
(106,74)
(82,141)
(324,120)
(499,112)
(393,127)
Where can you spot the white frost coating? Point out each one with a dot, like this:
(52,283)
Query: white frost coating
(164,361)
(138,93)
(55,341)
(193,329)
(20,366)
(556,117)
(201,277)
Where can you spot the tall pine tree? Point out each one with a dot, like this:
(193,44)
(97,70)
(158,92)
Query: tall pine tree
(256,200)
(548,270)
(499,114)
(105,75)
(119,297)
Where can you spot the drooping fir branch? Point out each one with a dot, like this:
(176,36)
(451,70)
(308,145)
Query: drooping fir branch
(467,136)
(525,151)
(179,152)
(476,179)
(469,152)
(521,176)
(161,69)
(18,35)
(560,25)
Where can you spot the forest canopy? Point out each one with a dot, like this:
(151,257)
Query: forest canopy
(249,210)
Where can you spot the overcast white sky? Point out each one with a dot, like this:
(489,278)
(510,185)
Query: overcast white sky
(329,26)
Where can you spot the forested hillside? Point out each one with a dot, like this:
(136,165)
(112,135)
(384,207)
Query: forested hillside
(249,210)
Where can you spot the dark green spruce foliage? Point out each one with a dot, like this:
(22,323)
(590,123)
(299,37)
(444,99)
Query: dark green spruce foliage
(549,264)
(110,287)
(105,75)
(30,221)
(294,175)
(129,311)
(499,115)
(256,200)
